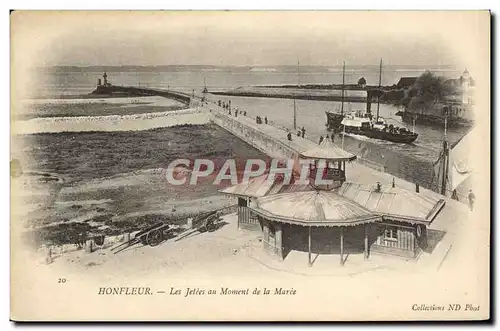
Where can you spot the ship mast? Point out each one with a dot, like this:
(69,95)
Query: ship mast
(446,157)
(343,83)
(294,115)
(379,86)
(294,106)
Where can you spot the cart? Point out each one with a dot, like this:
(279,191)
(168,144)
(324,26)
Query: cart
(203,222)
(151,235)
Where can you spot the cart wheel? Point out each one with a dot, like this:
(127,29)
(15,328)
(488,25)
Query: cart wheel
(210,226)
(155,237)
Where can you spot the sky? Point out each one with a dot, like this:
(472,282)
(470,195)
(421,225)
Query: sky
(240,38)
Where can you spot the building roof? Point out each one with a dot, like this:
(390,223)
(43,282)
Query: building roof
(394,203)
(313,208)
(406,81)
(259,186)
(328,151)
(254,188)
(351,204)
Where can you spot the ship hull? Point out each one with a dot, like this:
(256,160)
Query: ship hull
(334,122)
(382,135)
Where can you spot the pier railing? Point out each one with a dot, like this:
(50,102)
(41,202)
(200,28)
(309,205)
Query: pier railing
(254,137)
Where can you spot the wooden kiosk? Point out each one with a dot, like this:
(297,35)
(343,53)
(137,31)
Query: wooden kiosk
(340,218)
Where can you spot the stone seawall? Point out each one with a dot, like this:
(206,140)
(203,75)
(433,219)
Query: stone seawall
(254,137)
(194,116)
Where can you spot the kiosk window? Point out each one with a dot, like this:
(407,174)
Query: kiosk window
(391,233)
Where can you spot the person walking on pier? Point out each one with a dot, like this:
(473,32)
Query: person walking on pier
(303,132)
(289,136)
(320,140)
(472,199)
(219,103)
(235,112)
(333,137)
(327,137)
(298,133)
(245,113)
(265,119)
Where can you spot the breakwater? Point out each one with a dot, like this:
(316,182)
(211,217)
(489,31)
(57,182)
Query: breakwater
(298,93)
(110,90)
(145,121)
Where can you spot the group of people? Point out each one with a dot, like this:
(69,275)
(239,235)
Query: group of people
(224,105)
(258,120)
(327,138)
(300,133)
(471,197)
(227,105)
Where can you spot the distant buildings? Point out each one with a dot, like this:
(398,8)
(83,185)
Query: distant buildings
(464,88)
(456,106)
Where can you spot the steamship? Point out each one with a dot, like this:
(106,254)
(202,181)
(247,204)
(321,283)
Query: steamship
(362,122)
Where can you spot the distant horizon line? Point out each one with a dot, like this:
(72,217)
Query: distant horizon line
(238,66)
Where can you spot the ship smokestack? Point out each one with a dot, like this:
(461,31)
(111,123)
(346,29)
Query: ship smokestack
(368,102)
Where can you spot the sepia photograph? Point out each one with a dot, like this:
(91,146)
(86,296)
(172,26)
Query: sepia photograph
(250,165)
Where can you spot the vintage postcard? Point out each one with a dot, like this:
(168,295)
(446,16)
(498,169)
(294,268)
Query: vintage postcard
(250,165)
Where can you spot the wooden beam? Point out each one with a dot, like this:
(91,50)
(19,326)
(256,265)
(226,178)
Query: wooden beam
(341,245)
(366,241)
(310,262)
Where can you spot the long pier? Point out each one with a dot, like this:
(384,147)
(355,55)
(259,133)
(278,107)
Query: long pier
(286,93)
(140,91)
(273,141)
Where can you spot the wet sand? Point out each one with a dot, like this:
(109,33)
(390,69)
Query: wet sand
(112,182)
